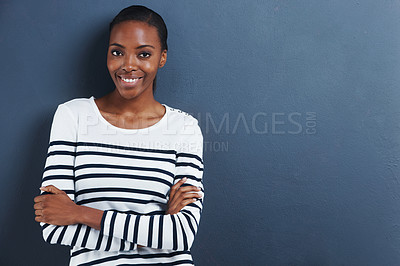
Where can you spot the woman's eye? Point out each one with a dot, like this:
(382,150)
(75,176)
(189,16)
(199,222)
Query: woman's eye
(144,54)
(116,53)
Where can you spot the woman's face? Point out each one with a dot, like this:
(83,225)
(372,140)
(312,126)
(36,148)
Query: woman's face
(133,58)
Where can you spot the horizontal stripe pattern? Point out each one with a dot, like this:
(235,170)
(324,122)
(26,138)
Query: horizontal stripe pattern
(131,184)
(164,257)
(59,171)
(174,232)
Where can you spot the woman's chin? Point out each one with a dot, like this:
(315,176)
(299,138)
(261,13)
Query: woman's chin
(128,94)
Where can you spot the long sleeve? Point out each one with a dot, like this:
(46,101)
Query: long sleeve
(59,171)
(174,232)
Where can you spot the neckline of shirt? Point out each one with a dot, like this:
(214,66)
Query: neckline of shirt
(98,113)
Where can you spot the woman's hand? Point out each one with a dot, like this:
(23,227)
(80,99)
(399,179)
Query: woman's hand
(179,196)
(56,208)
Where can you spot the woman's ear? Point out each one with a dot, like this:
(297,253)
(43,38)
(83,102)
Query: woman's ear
(163,59)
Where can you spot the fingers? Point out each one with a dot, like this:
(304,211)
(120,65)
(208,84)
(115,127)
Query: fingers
(176,202)
(38,213)
(38,206)
(40,198)
(40,201)
(52,189)
(188,189)
(178,187)
(190,194)
(181,196)
(180,205)
(175,187)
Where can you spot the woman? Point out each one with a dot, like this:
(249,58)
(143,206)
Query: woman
(132,166)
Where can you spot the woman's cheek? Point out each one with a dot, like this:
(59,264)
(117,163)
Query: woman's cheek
(112,63)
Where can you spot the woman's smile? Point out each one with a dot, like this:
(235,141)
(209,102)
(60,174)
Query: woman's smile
(129,81)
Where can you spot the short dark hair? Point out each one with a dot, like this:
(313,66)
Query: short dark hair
(144,14)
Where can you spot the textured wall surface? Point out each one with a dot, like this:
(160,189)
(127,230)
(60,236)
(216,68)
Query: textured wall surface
(299,103)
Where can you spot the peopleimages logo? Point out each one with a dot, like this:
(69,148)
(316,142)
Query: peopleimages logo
(213,126)
(260,123)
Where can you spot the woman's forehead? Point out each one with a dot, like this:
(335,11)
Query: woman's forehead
(134,31)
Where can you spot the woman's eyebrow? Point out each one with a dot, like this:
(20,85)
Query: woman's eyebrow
(145,45)
(139,47)
(117,44)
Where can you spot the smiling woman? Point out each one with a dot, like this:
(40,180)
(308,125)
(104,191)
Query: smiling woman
(133,195)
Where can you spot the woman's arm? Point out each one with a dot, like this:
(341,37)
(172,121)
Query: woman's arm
(57,208)
(59,172)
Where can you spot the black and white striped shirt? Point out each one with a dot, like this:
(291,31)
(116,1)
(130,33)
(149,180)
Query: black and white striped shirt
(127,173)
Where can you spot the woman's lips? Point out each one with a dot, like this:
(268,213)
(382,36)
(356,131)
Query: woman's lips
(129,81)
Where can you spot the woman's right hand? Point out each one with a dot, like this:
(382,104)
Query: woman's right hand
(180,196)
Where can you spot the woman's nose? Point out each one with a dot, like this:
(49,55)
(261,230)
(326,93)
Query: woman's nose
(130,63)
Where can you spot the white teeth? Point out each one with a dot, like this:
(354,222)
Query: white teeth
(129,80)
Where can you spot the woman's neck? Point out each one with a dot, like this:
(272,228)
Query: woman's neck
(117,104)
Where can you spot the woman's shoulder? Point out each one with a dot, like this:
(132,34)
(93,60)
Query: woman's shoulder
(77,102)
(179,115)
(182,122)
(73,109)
(77,105)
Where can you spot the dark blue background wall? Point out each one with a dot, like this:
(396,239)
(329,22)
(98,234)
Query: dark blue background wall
(299,103)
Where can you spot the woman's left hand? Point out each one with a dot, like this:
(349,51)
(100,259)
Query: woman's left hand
(181,196)
(56,208)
